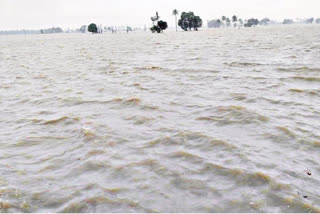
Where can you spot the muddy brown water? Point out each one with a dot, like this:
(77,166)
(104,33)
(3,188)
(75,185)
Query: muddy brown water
(221,120)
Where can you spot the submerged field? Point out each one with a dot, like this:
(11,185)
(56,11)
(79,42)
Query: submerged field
(221,120)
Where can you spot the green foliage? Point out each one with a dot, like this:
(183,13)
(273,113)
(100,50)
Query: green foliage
(251,22)
(234,18)
(189,21)
(155,29)
(93,28)
(160,27)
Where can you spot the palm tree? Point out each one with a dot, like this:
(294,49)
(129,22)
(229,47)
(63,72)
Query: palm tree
(234,20)
(228,22)
(175,12)
(224,18)
(241,22)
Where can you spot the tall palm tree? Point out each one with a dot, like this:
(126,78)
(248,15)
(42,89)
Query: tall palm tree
(175,12)
(234,20)
(224,18)
(228,22)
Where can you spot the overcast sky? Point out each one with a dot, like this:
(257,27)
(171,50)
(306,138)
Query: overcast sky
(35,14)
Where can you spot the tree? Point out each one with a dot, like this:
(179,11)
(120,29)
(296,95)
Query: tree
(234,20)
(309,21)
(160,26)
(318,20)
(155,18)
(93,28)
(265,21)
(228,22)
(189,21)
(215,23)
(175,12)
(224,18)
(287,21)
(251,22)
(241,22)
(41,31)
(83,28)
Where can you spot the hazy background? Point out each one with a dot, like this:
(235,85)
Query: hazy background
(35,14)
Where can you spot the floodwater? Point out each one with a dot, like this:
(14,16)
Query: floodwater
(223,120)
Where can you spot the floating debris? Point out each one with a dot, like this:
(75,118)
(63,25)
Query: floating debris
(308,172)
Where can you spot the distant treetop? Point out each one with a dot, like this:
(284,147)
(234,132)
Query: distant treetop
(189,21)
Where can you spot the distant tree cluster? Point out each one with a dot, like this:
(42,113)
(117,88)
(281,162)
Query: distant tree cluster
(51,30)
(215,23)
(189,21)
(287,21)
(318,20)
(251,22)
(265,21)
(235,22)
(19,32)
(310,20)
(158,26)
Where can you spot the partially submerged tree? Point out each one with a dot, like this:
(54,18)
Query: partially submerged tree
(175,12)
(189,21)
(224,18)
(251,22)
(265,21)
(93,28)
(228,22)
(310,20)
(215,23)
(241,22)
(83,29)
(160,26)
(234,20)
(51,30)
(287,21)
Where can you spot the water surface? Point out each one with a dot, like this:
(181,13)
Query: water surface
(221,120)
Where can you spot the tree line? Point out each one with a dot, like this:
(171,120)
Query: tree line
(234,21)
(187,21)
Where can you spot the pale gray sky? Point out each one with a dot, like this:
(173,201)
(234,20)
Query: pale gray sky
(36,14)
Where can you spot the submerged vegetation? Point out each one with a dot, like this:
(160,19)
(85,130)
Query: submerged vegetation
(93,28)
(51,30)
(252,22)
(189,21)
(158,26)
(175,12)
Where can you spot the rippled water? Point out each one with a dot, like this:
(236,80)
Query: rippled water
(214,121)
